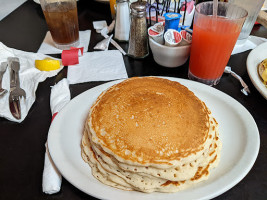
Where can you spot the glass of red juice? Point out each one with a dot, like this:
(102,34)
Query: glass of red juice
(62,20)
(214,37)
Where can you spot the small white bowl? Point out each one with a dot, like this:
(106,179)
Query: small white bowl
(169,56)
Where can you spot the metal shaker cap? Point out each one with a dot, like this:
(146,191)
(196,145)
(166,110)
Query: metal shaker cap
(121,1)
(138,8)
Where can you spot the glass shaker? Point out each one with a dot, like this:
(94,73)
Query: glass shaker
(138,42)
(122,26)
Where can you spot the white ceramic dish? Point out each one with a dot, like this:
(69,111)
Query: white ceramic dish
(238,132)
(254,58)
(169,56)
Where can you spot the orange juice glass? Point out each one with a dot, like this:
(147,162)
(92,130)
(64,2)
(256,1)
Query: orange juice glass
(112,4)
(213,40)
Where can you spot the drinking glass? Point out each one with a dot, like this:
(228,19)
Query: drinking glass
(213,40)
(253,7)
(112,4)
(62,20)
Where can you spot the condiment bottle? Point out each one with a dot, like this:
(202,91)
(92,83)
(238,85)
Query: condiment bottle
(138,42)
(122,25)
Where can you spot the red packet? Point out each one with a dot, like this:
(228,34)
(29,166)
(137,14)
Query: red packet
(70,57)
(80,50)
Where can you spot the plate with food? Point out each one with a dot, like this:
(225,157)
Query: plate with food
(257,68)
(154,138)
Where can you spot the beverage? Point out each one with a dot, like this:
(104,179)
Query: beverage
(212,45)
(62,20)
(253,8)
(112,4)
(214,37)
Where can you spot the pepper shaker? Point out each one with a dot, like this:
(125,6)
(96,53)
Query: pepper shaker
(138,42)
(122,24)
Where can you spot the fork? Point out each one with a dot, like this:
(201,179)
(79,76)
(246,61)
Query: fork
(2,71)
(18,91)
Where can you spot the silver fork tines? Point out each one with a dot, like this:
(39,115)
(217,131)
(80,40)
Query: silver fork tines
(16,91)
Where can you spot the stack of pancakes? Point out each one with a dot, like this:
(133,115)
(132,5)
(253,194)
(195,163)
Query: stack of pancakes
(150,134)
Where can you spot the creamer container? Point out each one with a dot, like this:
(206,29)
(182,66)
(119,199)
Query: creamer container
(186,38)
(172,38)
(172,21)
(156,32)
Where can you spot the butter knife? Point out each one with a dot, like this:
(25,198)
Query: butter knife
(14,103)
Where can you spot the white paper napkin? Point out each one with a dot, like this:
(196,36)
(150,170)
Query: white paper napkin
(51,177)
(99,25)
(29,79)
(98,66)
(251,43)
(48,46)
(60,96)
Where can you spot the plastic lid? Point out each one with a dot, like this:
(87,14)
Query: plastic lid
(170,16)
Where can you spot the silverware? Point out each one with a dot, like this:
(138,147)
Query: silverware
(2,71)
(18,91)
(14,105)
(245,89)
(15,91)
(104,33)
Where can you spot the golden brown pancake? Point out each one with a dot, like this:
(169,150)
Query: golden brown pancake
(149,120)
(150,134)
(149,179)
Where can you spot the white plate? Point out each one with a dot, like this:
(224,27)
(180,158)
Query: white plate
(254,58)
(238,132)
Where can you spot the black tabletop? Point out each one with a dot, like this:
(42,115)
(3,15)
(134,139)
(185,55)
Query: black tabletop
(22,145)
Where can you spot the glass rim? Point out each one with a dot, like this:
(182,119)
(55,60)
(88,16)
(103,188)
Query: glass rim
(224,3)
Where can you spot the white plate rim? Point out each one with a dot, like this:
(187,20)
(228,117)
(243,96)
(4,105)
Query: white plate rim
(252,146)
(254,58)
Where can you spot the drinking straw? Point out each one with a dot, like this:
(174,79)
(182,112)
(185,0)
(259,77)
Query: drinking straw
(215,7)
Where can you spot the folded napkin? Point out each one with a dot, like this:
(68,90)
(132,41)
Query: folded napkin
(251,43)
(48,46)
(60,96)
(51,176)
(98,66)
(29,79)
